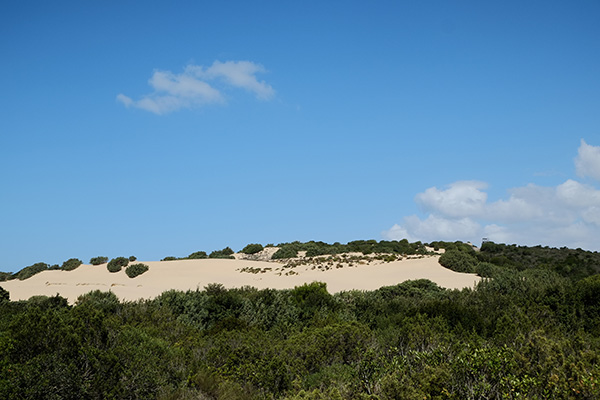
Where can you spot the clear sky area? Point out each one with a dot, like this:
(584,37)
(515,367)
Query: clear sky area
(160,128)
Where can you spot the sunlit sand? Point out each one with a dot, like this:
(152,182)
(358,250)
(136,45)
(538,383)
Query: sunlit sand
(196,274)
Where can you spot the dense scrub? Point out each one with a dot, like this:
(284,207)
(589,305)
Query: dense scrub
(98,260)
(117,263)
(530,332)
(134,270)
(312,248)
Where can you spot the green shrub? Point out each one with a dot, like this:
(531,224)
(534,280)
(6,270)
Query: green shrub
(4,295)
(197,255)
(459,261)
(71,264)
(31,270)
(136,269)
(225,253)
(285,252)
(132,258)
(169,258)
(116,264)
(252,248)
(5,276)
(98,260)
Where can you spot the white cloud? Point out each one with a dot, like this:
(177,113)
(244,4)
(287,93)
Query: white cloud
(461,199)
(565,215)
(587,162)
(191,89)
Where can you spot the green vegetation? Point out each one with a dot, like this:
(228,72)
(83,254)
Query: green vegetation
(4,295)
(529,330)
(252,248)
(98,260)
(132,258)
(71,264)
(313,249)
(5,276)
(169,258)
(116,264)
(225,253)
(198,255)
(459,261)
(31,270)
(136,269)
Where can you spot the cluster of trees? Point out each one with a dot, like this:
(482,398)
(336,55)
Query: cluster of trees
(531,331)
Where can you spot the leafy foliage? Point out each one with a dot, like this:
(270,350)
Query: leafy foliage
(197,255)
(98,260)
(117,263)
(31,270)
(4,294)
(136,269)
(459,261)
(225,253)
(524,332)
(252,248)
(71,264)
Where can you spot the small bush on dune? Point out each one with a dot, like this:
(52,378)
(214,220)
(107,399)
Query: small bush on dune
(136,269)
(225,253)
(132,258)
(197,255)
(252,248)
(285,252)
(169,258)
(98,260)
(116,264)
(28,272)
(71,264)
(5,276)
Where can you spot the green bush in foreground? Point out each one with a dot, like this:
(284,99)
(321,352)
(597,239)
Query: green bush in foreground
(136,269)
(252,248)
(4,295)
(116,264)
(98,260)
(71,264)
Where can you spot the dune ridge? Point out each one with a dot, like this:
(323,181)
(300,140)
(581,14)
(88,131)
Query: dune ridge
(362,274)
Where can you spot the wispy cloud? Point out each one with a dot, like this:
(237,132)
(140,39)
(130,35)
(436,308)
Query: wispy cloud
(564,215)
(198,86)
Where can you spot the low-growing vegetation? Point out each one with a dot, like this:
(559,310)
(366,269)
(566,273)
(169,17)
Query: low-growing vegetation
(252,248)
(71,264)
(116,264)
(225,253)
(98,260)
(529,330)
(134,270)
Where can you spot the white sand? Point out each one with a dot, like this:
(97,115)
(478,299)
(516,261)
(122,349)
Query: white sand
(192,274)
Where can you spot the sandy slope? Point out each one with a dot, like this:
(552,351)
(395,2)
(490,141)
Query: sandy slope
(192,274)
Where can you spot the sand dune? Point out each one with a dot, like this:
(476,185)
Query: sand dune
(192,274)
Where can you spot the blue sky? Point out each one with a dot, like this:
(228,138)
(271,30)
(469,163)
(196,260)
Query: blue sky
(157,128)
